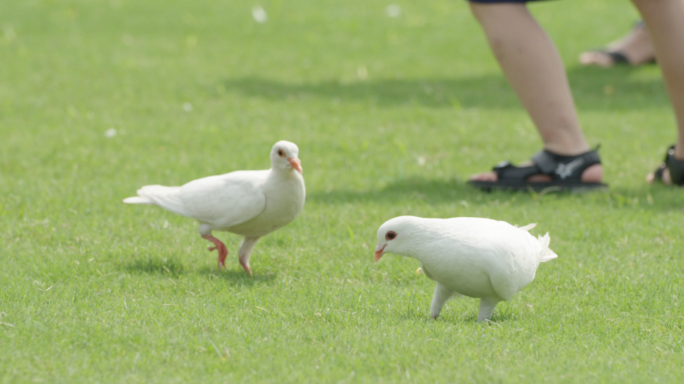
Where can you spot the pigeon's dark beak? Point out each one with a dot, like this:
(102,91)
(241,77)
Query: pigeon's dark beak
(296,164)
(379,251)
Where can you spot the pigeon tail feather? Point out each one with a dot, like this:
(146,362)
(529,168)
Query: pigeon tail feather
(138,200)
(546,252)
(528,227)
(165,197)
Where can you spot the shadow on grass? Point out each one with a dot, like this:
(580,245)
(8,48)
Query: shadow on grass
(425,189)
(594,89)
(656,197)
(237,275)
(502,313)
(652,197)
(174,268)
(429,190)
(452,317)
(155,265)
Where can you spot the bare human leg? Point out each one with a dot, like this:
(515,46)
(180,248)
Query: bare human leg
(664,20)
(532,65)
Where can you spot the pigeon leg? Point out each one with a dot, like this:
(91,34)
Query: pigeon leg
(222,250)
(442,295)
(245,251)
(487,306)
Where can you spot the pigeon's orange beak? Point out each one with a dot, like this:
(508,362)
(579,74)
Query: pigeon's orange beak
(296,164)
(379,250)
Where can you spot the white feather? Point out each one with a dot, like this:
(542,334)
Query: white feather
(159,195)
(546,253)
(137,200)
(528,227)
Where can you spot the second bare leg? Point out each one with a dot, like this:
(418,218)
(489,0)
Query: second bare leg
(663,19)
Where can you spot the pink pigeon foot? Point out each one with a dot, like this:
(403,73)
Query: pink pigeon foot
(245,266)
(222,250)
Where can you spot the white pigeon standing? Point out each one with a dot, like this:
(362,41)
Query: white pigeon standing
(248,203)
(467,256)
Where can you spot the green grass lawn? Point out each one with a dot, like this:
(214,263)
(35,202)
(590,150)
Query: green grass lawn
(391,116)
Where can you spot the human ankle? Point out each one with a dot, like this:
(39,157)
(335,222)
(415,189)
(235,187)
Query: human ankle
(566,150)
(679,152)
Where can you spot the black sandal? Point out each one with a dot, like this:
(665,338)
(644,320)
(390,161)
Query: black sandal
(618,57)
(565,173)
(675,166)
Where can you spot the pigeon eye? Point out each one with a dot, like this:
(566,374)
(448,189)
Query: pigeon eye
(281,153)
(390,235)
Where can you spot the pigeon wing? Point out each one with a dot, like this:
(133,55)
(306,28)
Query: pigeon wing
(226,200)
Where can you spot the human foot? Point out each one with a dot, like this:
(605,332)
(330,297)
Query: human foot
(546,169)
(593,174)
(670,171)
(635,49)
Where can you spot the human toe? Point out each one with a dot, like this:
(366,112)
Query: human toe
(484,176)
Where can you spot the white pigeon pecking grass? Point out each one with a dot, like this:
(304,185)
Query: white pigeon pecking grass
(467,256)
(247,203)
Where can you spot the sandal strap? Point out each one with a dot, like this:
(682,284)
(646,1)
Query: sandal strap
(617,56)
(658,174)
(558,167)
(505,170)
(675,166)
(565,168)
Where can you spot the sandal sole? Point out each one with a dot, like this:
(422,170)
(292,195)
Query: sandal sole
(537,187)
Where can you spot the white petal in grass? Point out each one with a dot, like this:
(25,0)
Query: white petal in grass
(259,15)
(127,39)
(421,161)
(9,33)
(187,107)
(393,10)
(111,132)
(191,41)
(362,72)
